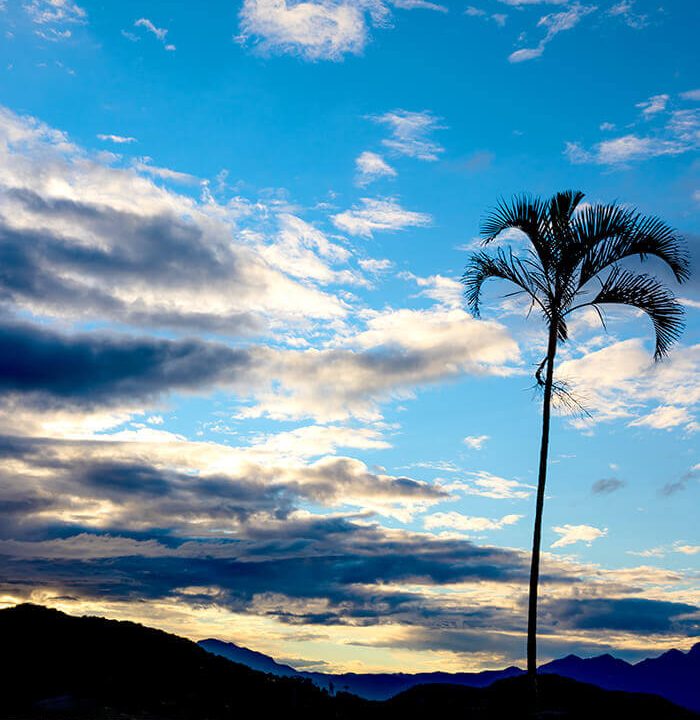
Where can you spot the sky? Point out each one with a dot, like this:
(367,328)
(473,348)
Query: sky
(241,396)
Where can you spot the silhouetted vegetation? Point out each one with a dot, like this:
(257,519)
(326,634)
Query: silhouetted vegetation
(64,667)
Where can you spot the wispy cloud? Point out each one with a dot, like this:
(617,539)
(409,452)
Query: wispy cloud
(467,523)
(373,215)
(625,11)
(118,139)
(655,104)
(55,11)
(499,18)
(160,33)
(676,131)
(410,133)
(371,166)
(553,24)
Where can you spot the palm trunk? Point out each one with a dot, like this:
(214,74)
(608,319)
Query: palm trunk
(537,535)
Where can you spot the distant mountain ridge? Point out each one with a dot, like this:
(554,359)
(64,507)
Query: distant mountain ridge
(61,667)
(674,675)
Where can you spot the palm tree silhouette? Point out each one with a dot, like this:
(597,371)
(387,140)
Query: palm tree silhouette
(574,260)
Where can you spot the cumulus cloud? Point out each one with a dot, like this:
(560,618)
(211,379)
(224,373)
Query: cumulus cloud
(571,534)
(553,24)
(82,239)
(370,167)
(396,352)
(621,381)
(373,215)
(411,133)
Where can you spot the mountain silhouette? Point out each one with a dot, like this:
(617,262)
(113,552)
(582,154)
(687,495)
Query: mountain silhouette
(372,686)
(675,675)
(57,666)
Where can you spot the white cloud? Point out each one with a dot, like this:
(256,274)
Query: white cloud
(302,251)
(160,33)
(374,265)
(371,166)
(486,484)
(54,11)
(318,29)
(691,95)
(398,351)
(144,165)
(410,133)
(467,523)
(476,442)
(520,3)
(526,54)
(418,5)
(621,381)
(665,417)
(624,10)
(444,290)
(499,18)
(686,549)
(624,149)
(182,263)
(679,133)
(655,104)
(571,534)
(118,139)
(378,215)
(554,23)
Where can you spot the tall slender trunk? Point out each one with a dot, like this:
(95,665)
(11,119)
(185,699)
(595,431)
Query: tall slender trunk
(537,535)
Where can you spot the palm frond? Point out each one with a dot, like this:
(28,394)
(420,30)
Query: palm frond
(561,211)
(504,266)
(607,234)
(524,213)
(649,295)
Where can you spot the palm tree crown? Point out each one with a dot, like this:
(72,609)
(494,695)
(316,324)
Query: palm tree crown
(573,244)
(575,260)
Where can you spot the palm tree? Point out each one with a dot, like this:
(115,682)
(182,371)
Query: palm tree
(575,260)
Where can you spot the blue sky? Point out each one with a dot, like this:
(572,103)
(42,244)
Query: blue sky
(240,381)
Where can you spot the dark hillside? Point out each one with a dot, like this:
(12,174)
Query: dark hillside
(60,667)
